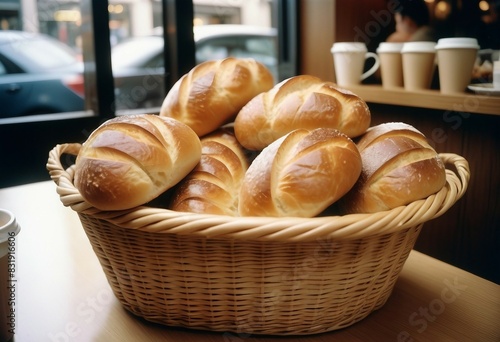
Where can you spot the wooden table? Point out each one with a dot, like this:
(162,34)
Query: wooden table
(62,293)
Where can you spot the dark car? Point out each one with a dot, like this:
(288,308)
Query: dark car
(38,75)
(138,62)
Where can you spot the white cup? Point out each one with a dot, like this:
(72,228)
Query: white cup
(496,74)
(456,58)
(349,61)
(418,64)
(8,232)
(391,64)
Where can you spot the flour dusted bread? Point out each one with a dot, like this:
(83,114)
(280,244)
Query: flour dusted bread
(399,167)
(130,160)
(300,174)
(213,92)
(213,186)
(300,102)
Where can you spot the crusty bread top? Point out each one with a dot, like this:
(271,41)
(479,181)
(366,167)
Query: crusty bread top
(130,160)
(213,92)
(300,102)
(300,174)
(399,167)
(213,186)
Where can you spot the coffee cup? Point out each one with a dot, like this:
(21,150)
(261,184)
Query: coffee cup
(8,232)
(496,74)
(456,58)
(418,64)
(349,61)
(391,64)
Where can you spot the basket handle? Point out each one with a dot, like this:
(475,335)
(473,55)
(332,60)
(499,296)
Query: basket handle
(54,164)
(462,175)
(63,177)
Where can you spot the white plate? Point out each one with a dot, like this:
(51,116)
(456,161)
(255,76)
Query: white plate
(484,89)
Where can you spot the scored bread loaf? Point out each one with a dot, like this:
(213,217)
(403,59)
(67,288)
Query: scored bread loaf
(213,92)
(130,160)
(300,174)
(213,185)
(302,101)
(399,167)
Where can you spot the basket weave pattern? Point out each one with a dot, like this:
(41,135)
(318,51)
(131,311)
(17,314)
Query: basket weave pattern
(253,275)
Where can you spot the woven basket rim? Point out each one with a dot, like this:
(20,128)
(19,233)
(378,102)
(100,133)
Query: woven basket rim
(283,229)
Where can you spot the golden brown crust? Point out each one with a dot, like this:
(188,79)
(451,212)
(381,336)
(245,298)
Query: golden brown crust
(213,186)
(300,102)
(213,92)
(399,167)
(300,174)
(130,160)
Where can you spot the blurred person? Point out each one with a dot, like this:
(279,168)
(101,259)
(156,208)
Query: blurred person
(412,22)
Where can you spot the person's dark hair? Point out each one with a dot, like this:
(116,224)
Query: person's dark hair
(414,9)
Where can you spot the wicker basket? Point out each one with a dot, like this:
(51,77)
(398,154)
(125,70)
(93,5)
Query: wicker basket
(252,275)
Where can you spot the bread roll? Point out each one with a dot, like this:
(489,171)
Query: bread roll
(399,167)
(213,186)
(300,174)
(213,92)
(300,102)
(130,160)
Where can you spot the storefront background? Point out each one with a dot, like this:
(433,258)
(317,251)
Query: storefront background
(61,18)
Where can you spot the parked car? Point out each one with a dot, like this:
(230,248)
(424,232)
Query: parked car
(138,62)
(242,41)
(38,75)
(138,71)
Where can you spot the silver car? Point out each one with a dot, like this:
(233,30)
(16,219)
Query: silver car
(138,62)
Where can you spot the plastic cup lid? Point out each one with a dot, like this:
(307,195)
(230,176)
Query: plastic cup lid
(389,47)
(429,47)
(460,43)
(348,47)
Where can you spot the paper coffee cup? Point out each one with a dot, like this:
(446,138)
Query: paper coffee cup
(456,58)
(8,248)
(391,64)
(418,64)
(349,60)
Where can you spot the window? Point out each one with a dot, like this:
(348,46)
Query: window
(93,28)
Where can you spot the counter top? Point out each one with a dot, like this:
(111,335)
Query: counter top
(432,99)
(62,293)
